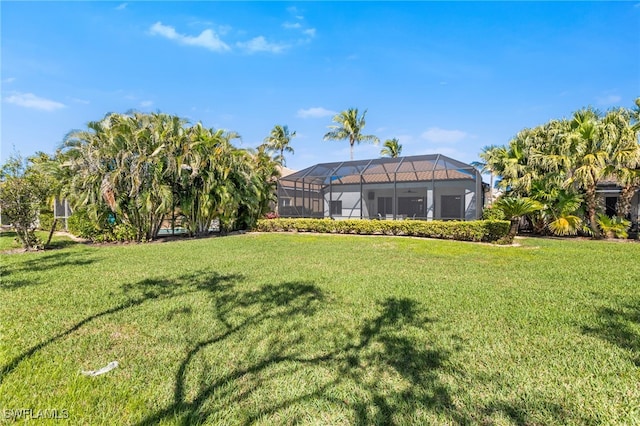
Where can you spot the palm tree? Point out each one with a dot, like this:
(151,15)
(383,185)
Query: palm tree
(349,126)
(515,208)
(591,154)
(120,162)
(625,155)
(392,148)
(490,157)
(279,140)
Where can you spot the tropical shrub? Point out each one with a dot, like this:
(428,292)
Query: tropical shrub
(81,225)
(480,230)
(562,162)
(142,167)
(613,226)
(492,213)
(515,208)
(20,197)
(46,219)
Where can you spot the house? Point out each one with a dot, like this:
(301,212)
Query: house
(414,187)
(609,194)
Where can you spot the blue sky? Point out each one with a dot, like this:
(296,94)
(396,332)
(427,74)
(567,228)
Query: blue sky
(442,77)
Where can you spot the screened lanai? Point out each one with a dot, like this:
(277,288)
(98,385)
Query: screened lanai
(416,187)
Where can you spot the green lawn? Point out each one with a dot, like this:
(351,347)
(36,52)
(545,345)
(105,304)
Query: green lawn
(324,329)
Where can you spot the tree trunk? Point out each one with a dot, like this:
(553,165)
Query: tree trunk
(624,201)
(53,228)
(592,207)
(513,230)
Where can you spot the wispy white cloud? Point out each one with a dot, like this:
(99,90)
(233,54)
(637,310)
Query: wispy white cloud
(121,6)
(295,12)
(299,25)
(294,25)
(207,38)
(315,112)
(145,104)
(29,100)
(609,99)
(438,135)
(260,44)
(9,80)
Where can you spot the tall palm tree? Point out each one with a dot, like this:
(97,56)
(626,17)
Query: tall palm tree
(591,155)
(490,157)
(279,140)
(624,163)
(392,148)
(120,162)
(349,126)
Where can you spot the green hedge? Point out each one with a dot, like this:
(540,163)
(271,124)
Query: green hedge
(46,221)
(477,230)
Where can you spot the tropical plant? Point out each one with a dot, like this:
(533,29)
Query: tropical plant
(591,155)
(613,226)
(279,141)
(490,157)
(624,164)
(21,194)
(515,208)
(392,148)
(349,126)
(562,162)
(121,161)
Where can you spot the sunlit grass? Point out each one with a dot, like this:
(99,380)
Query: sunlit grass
(325,329)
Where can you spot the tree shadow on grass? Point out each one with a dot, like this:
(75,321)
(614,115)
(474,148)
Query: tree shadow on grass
(379,348)
(523,414)
(44,261)
(139,293)
(620,326)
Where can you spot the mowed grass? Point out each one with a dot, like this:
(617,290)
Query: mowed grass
(325,329)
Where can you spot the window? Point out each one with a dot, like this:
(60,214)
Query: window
(336,208)
(451,207)
(411,206)
(610,206)
(385,206)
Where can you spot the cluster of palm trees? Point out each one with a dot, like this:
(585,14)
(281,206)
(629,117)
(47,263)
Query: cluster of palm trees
(138,169)
(348,125)
(557,167)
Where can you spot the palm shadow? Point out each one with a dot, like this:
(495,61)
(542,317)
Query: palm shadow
(377,347)
(619,326)
(137,294)
(43,261)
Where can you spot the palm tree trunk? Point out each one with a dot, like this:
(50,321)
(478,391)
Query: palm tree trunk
(513,230)
(624,201)
(490,187)
(592,207)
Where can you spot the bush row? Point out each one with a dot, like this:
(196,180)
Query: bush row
(46,221)
(82,226)
(478,230)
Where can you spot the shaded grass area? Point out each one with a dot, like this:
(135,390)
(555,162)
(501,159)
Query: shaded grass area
(9,240)
(321,329)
